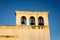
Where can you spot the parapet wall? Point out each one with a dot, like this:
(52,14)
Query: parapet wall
(24,34)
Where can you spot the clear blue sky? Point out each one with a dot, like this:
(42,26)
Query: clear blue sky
(8,7)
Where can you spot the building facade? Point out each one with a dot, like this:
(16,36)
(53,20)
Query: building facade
(30,25)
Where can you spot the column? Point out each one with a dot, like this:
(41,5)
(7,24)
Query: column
(17,20)
(36,20)
(27,20)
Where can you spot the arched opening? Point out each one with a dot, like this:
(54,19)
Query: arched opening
(40,21)
(32,20)
(23,20)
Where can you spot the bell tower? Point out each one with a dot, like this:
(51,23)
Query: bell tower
(35,20)
(39,18)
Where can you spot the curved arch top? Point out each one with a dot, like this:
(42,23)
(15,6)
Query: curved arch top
(32,20)
(40,21)
(23,20)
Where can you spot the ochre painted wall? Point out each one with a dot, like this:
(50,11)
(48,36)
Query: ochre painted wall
(26,32)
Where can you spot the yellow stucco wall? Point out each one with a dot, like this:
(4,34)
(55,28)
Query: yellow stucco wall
(28,14)
(14,33)
(19,32)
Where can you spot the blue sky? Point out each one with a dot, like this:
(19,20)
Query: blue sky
(8,7)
